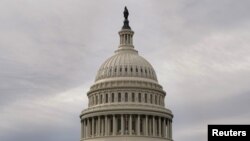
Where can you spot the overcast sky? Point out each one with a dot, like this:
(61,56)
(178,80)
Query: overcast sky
(50,51)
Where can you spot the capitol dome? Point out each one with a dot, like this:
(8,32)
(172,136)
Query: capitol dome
(126,102)
(126,63)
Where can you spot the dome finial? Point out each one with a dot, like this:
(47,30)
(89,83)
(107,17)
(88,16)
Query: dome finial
(125,13)
(126,22)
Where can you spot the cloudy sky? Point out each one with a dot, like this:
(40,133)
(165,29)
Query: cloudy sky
(50,51)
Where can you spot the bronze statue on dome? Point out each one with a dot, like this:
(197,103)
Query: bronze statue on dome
(125,13)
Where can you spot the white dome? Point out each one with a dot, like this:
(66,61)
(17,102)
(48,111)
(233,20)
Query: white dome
(126,63)
(126,102)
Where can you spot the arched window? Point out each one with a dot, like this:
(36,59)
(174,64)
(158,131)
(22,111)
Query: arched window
(126,39)
(110,71)
(119,97)
(133,97)
(112,97)
(155,99)
(101,99)
(126,97)
(106,98)
(151,99)
(115,70)
(91,100)
(139,97)
(96,99)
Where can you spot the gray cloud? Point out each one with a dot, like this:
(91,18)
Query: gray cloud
(50,51)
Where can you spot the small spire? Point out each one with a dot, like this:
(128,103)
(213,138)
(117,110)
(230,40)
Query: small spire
(126,22)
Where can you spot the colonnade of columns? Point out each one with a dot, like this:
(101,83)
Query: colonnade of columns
(123,97)
(126,38)
(126,124)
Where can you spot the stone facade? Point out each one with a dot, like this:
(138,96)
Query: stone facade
(126,102)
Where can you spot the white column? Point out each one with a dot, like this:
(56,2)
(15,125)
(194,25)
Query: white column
(130,124)
(159,126)
(122,125)
(146,128)
(106,125)
(85,129)
(143,125)
(153,120)
(169,132)
(123,39)
(102,123)
(149,126)
(131,39)
(99,126)
(128,39)
(170,129)
(82,130)
(83,126)
(93,127)
(88,127)
(120,39)
(138,125)
(114,130)
(164,127)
